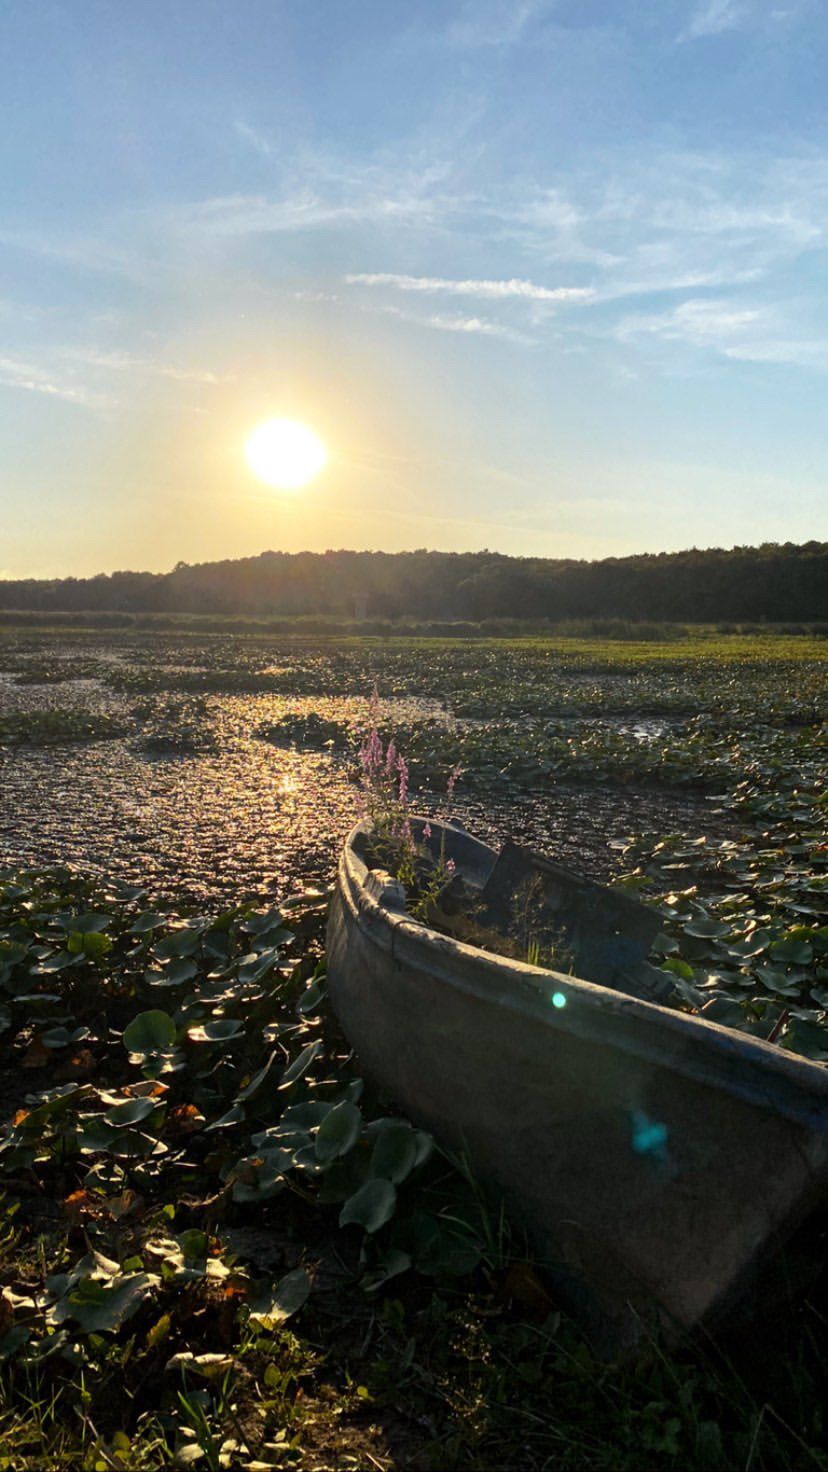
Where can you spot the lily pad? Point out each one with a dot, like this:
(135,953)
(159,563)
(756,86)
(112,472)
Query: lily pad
(338,1131)
(370,1207)
(149,1032)
(272,1306)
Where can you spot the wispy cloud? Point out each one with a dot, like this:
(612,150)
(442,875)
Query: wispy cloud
(482,326)
(33,378)
(649,223)
(668,222)
(250,135)
(485,290)
(701,322)
(323,194)
(98,253)
(79,374)
(733,330)
(129,363)
(315,193)
(495,22)
(713,17)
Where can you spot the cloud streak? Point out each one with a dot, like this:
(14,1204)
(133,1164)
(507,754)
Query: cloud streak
(733,330)
(129,363)
(485,290)
(250,135)
(475,326)
(714,17)
(483,23)
(32,378)
(66,373)
(717,17)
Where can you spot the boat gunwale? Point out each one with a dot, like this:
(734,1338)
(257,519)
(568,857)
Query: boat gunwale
(757,1072)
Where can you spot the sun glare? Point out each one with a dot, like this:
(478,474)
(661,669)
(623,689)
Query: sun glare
(285,453)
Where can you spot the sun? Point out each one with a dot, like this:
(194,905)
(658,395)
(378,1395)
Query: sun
(285,453)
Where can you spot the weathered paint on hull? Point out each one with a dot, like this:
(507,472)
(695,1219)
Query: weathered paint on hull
(654,1157)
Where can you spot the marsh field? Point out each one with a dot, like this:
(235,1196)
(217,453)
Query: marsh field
(192,1273)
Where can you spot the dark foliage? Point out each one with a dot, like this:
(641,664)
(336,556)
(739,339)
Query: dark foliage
(776,582)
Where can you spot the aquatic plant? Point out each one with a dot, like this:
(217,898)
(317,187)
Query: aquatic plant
(384,798)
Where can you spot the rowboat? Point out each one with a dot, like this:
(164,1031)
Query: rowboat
(656,1159)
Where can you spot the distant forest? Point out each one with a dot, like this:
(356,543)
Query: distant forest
(777,583)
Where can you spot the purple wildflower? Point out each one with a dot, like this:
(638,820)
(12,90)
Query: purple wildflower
(402,768)
(453,776)
(371,754)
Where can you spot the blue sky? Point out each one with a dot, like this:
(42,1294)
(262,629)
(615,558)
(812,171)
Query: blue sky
(548,276)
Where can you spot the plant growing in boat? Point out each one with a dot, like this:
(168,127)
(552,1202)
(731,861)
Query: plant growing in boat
(384,799)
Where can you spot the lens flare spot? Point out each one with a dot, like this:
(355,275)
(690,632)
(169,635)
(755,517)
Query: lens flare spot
(649,1137)
(558,999)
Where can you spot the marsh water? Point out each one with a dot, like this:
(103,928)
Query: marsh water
(184,795)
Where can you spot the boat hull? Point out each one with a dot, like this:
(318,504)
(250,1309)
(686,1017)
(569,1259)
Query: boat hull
(654,1158)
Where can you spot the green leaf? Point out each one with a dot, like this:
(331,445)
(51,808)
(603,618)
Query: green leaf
(343,1177)
(148,920)
(89,924)
(395,1153)
(182,942)
(792,952)
(220,1031)
(258,1177)
(56,1037)
(678,968)
(58,961)
(390,1265)
(706,929)
(300,1065)
(311,999)
(257,1080)
(664,945)
(807,1038)
(272,1306)
(149,1032)
(234,1115)
(724,1011)
(752,945)
(102,1307)
(177,972)
(206,1366)
(131,1112)
(369,1207)
(91,944)
(778,981)
(338,1131)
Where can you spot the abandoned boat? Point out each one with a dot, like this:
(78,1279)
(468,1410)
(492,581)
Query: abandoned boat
(654,1157)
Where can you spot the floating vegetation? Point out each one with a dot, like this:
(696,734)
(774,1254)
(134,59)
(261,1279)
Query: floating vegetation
(307,729)
(174,728)
(744,921)
(58,727)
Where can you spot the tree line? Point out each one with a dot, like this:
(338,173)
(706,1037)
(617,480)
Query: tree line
(777,582)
